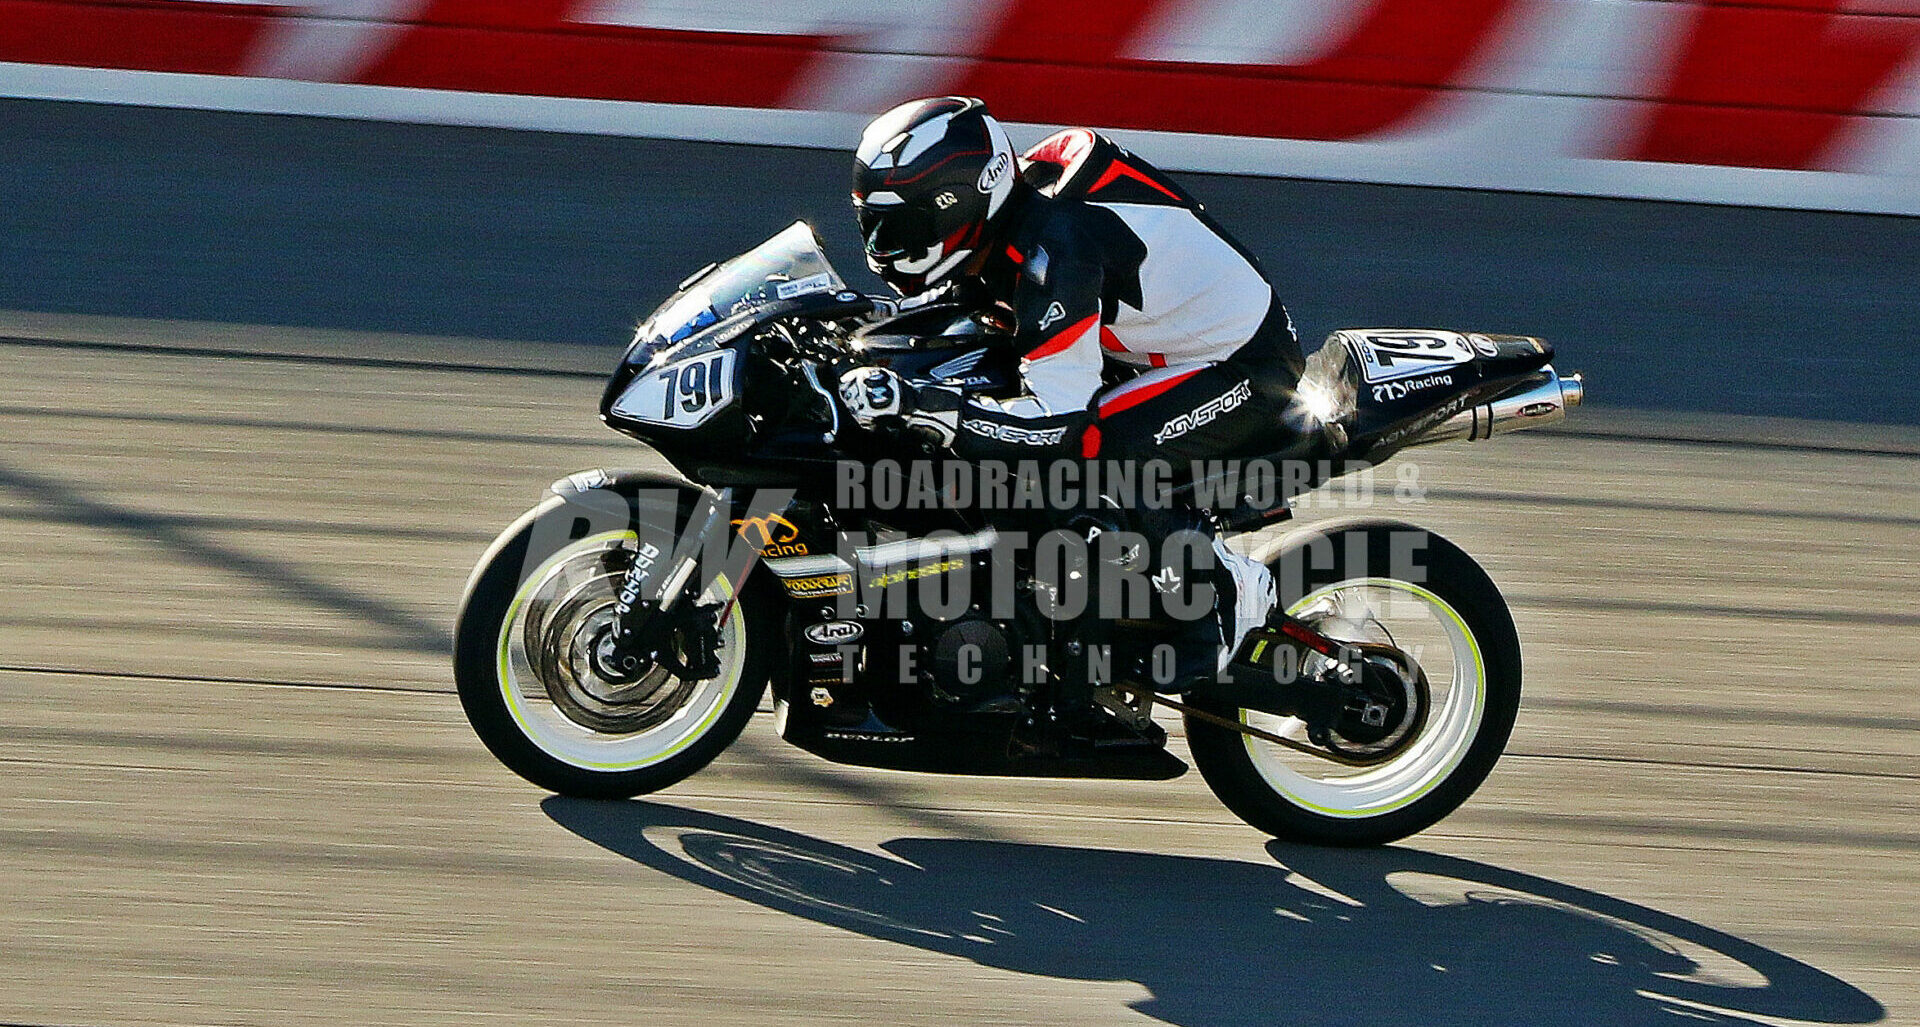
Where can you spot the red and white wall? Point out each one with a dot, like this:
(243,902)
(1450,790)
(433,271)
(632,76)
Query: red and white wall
(1800,103)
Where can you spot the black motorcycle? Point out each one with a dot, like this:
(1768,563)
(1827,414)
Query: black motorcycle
(621,633)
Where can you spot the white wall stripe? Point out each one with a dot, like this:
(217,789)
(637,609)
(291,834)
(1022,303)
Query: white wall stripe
(1501,147)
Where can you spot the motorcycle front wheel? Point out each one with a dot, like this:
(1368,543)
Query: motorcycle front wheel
(537,606)
(1393,584)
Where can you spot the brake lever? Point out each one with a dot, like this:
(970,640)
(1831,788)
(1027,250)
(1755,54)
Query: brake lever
(812,372)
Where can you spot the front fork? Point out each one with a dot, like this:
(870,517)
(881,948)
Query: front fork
(657,616)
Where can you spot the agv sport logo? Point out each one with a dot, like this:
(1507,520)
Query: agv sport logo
(1206,413)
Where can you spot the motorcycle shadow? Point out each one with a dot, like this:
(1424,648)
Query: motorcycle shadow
(1381,937)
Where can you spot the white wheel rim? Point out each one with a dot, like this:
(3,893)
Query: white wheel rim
(572,743)
(1458,703)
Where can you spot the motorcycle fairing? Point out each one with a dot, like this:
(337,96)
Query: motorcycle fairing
(1382,387)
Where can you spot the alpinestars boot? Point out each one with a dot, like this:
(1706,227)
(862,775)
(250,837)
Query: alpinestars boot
(1243,598)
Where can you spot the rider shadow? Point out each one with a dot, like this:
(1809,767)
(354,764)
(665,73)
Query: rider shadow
(1384,937)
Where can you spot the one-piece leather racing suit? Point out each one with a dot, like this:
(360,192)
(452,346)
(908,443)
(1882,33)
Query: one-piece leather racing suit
(1145,333)
(1112,270)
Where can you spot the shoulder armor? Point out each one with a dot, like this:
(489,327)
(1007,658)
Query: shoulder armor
(1081,164)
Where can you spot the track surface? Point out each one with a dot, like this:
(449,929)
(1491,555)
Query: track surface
(526,235)
(239,791)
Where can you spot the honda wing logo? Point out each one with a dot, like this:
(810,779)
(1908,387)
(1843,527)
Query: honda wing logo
(958,366)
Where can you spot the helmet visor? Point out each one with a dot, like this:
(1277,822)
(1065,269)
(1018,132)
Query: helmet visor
(896,230)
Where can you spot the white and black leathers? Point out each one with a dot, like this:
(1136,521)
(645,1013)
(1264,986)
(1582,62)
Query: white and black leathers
(1112,271)
(1109,266)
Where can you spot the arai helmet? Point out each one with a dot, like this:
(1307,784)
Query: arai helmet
(928,179)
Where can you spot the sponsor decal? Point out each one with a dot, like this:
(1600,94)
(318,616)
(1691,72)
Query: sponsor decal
(958,366)
(1402,389)
(1483,345)
(1538,409)
(1424,421)
(818,586)
(807,566)
(1054,313)
(1166,582)
(995,171)
(1017,436)
(822,697)
(774,534)
(945,200)
(834,632)
(1206,413)
(636,578)
(825,659)
(861,736)
(914,573)
(822,282)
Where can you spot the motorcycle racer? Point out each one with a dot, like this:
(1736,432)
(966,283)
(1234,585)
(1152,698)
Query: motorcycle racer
(896,603)
(1107,271)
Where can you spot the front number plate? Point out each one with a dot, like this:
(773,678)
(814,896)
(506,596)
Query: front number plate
(683,394)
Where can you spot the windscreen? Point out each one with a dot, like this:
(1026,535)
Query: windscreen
(788,265)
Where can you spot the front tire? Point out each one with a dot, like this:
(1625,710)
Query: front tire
(535,704)
(1353,582)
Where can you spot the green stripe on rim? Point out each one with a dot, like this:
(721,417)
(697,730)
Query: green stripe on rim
(730,680)
(1434,774)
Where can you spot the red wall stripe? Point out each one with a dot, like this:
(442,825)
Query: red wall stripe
(1752,83)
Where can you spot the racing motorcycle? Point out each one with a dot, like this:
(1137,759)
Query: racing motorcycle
(621,634)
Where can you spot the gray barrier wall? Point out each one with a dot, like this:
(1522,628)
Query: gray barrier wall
(544,237)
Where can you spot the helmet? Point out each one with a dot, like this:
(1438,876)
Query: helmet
(928,179)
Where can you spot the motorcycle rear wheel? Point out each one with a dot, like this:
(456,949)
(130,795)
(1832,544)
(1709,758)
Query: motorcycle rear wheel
(520,667)
(1450,618)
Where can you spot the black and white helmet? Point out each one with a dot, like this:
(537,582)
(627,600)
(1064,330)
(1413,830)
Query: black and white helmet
(928,179)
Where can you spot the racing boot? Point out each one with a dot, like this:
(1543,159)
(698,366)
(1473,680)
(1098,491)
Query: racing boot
(1243,598)
(1247,597)
(1085,722)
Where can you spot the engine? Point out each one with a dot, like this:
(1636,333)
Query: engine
(920,642)
(969,663)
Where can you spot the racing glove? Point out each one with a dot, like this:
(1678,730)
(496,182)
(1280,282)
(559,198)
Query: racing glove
(951,291)
(880,400)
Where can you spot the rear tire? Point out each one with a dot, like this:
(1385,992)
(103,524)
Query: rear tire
(508,702)
(1299,798)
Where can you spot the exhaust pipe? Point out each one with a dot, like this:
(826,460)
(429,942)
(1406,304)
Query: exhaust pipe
(1539,404)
